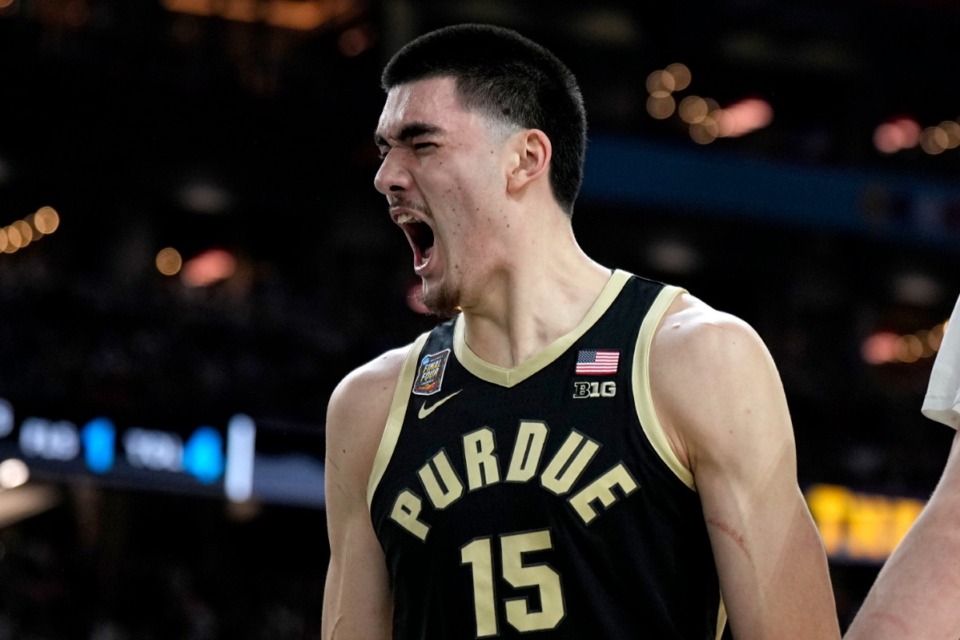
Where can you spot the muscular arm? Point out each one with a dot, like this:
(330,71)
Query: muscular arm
(917,594)
(357,602)
(722,406)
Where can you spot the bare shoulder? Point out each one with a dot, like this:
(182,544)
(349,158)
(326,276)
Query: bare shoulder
(699,347)
(693,332)
(358,410)
(356,598)
(367,388)
(712,376)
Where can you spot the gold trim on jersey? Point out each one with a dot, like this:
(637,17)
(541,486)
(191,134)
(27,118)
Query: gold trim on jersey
(398,408)
(510,377)
(721,618)
(641,385)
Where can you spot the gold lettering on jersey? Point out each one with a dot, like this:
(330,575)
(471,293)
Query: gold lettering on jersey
(483,468)
(440,496)
(406,513)
(569,463)
(601,489)
(519,613)
(444,487)
(527,451)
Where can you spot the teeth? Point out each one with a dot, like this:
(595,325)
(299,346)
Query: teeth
(404,218)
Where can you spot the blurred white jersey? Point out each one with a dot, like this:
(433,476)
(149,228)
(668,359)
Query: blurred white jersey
(942,402)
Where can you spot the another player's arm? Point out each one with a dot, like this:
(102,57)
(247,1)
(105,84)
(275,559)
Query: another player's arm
(722,406)
(917,592)
(357,603)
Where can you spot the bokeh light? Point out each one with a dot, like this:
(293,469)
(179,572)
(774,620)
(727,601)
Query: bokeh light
(661,105)
(208,268)
(13,473)
(46,220)
(681,75)
(168,261)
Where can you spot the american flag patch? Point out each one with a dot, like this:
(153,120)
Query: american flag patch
(597,362)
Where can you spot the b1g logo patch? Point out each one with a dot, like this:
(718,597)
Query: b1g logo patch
(430,373)
(606,389)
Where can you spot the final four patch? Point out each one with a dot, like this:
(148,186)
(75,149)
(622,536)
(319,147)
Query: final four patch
(430,373)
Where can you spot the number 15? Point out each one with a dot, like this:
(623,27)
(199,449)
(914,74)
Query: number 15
(479,554)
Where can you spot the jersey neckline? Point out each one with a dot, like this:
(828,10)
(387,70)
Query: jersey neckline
(505,377)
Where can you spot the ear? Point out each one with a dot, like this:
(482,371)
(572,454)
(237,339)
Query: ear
(534,152)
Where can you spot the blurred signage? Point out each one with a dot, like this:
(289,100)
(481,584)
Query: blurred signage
(221,461)
(860,527)
(890,205)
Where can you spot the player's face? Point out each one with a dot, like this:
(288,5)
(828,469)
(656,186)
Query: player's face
(442,173)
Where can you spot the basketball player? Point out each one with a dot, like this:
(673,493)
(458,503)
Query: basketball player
(578,452)
(917,594)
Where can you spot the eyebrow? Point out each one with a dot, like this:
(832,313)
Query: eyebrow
(409,131)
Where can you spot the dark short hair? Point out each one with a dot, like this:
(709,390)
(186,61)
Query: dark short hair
(509,78)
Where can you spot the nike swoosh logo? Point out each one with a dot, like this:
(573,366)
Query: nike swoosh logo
(425,410)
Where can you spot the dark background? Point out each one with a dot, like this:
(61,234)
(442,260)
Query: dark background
(147,125)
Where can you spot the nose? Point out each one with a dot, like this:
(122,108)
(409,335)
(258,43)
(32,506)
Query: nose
(391,178)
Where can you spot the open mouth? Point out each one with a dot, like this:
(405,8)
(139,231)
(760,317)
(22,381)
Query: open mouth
(421,239)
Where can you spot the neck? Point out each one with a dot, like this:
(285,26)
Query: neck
(534,300)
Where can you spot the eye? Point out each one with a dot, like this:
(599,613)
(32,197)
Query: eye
(421,146)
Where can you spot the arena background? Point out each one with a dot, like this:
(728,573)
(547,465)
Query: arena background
(192,255)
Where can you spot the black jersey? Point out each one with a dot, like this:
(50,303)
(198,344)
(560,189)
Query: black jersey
(542,501)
